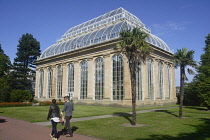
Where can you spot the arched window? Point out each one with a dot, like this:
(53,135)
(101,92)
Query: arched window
(70,80)
(41,83)
(59,81)
(169,81)
(139,82)
(49,89)
(160,73)
(99,78)
(118,74)
(84,80)
(150,79)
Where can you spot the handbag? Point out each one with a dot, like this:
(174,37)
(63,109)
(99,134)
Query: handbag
(61,118)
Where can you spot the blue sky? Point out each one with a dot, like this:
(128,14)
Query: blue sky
(180,23)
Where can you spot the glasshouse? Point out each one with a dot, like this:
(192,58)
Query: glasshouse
(84,66)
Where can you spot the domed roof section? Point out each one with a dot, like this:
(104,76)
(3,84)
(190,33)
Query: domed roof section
(98,30)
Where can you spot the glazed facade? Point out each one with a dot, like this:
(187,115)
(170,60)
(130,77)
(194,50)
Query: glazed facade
(84,65)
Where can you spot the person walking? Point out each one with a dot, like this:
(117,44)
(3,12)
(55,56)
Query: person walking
(68,109)
(53,115)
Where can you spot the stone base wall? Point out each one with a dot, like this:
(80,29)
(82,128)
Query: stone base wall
(125,103)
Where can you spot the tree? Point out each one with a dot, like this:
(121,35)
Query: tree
(184,58)
(5,66)
(133,45)
(28,50)
(202,79)
(5,63)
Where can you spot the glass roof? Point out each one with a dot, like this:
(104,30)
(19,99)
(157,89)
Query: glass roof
(100,29)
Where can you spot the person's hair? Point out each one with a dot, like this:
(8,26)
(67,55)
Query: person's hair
(53,101)
(66,97)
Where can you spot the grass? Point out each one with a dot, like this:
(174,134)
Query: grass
(39,113)
(161,125)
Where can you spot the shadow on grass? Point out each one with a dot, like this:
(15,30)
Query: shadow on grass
(166,111)
(125,115)
(201,133)
(197,108)
(74,128)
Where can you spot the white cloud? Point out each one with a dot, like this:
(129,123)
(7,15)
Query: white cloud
(169,27)
(186,6)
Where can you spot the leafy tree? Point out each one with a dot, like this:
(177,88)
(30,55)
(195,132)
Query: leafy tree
(191,97)
(183,58)
(5,63)
(202,79)
(19,95)
(5,66)
(28,50)
(4,90)
(133,45)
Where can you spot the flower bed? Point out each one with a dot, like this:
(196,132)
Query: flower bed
(47,103)
(15,104)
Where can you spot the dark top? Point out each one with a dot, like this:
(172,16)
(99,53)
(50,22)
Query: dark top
(54,111)
(68,108)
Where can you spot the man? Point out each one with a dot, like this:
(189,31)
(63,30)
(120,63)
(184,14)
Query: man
(68,108)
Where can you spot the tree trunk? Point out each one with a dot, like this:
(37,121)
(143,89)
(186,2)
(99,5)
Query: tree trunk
(133,87)
(182,75)
(132,66)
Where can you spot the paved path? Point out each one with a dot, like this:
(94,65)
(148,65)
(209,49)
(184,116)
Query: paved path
(13,129)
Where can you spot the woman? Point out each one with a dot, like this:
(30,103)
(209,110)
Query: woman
(54,114)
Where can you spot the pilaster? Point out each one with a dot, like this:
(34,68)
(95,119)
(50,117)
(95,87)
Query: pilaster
(90,79)
(107,77)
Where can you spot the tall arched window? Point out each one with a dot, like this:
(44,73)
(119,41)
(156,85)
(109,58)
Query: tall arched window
(150,79)
(139,82)
(99,78)
(49,88)
(41,83)
(160,73)
(118,74)
(84,80)
(59,81)
(169,81)
(70,80)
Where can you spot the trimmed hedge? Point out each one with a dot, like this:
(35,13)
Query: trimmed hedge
(15,104)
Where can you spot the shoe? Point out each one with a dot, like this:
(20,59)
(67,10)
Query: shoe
(54,138)
(51,136)
(69,135)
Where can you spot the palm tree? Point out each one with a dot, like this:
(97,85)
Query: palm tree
(133,45)
(184,58)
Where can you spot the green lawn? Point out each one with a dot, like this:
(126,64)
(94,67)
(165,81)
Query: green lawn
(160,125)
(39,113)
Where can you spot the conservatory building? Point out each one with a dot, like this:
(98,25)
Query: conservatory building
(84,66)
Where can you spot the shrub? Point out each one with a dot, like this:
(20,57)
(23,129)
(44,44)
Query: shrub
(19,95)
(34,101)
